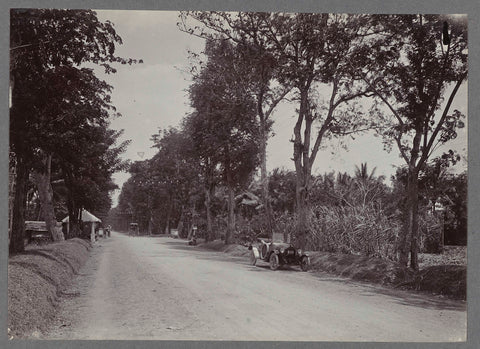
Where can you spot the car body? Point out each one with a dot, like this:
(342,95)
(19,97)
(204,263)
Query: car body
(278,254)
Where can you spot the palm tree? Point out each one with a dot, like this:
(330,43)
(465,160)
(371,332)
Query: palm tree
(362,172)
(368,186)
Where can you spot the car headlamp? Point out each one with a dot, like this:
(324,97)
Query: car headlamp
(299,251)
(282,250)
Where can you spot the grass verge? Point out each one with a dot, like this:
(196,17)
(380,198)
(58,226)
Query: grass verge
(35,280)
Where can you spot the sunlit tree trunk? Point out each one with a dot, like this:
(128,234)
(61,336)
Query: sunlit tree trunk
(301,211)
(181,224)
(74,212)
(411,223)
(45,192)
(302,168)
(264,177)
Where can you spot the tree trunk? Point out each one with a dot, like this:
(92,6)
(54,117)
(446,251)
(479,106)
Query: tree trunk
(403,238)
(45,193)
(74,228)
(167,225)
(264,177)
(150,224)
(192,220)
(17,243)
(302,211)
(169,214)
(231,215)
(302,168)
(150,215)
(208,207)
(413,192)
(181,223)
(409,237)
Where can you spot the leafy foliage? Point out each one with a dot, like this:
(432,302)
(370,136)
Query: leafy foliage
(59,107)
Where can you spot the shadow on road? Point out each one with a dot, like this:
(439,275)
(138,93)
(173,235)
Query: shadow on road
(417,299)
(409,298)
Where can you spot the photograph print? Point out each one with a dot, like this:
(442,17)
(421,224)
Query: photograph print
(241,176)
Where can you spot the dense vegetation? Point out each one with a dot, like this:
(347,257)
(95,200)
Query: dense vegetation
(346,74)
(62,152)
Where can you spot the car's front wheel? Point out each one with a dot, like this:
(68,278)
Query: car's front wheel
(305,263)
(274,262)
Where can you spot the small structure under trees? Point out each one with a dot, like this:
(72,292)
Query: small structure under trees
(90,224)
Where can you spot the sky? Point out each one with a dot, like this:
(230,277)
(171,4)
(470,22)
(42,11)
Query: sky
(152,96)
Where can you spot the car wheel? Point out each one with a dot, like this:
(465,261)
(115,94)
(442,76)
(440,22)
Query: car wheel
(264,251)
(274,262)
(253,259)
(305,263)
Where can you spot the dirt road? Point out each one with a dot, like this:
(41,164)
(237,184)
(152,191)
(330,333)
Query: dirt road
(160,288)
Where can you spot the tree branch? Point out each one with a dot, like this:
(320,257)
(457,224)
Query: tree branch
(441,122)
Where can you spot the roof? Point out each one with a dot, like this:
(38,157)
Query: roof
(249,199)
(86,217)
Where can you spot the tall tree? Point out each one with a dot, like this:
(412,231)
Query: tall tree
(177,170)
(164,187)
(315,52)
(306,50)
(225,116)
(47,46)
(419,72)
(88,174)
(200,130)
(259,70)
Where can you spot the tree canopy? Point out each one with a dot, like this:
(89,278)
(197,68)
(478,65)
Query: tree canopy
(59,107)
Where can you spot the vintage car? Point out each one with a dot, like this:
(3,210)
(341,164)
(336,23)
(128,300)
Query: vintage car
(278,254)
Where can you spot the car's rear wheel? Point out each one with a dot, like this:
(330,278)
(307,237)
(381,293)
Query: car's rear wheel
(253,259)
(274,262)
(305,263)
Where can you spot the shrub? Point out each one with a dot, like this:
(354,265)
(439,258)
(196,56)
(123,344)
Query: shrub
(430,233)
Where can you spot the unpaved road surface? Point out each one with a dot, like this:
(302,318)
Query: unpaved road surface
(160,288)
